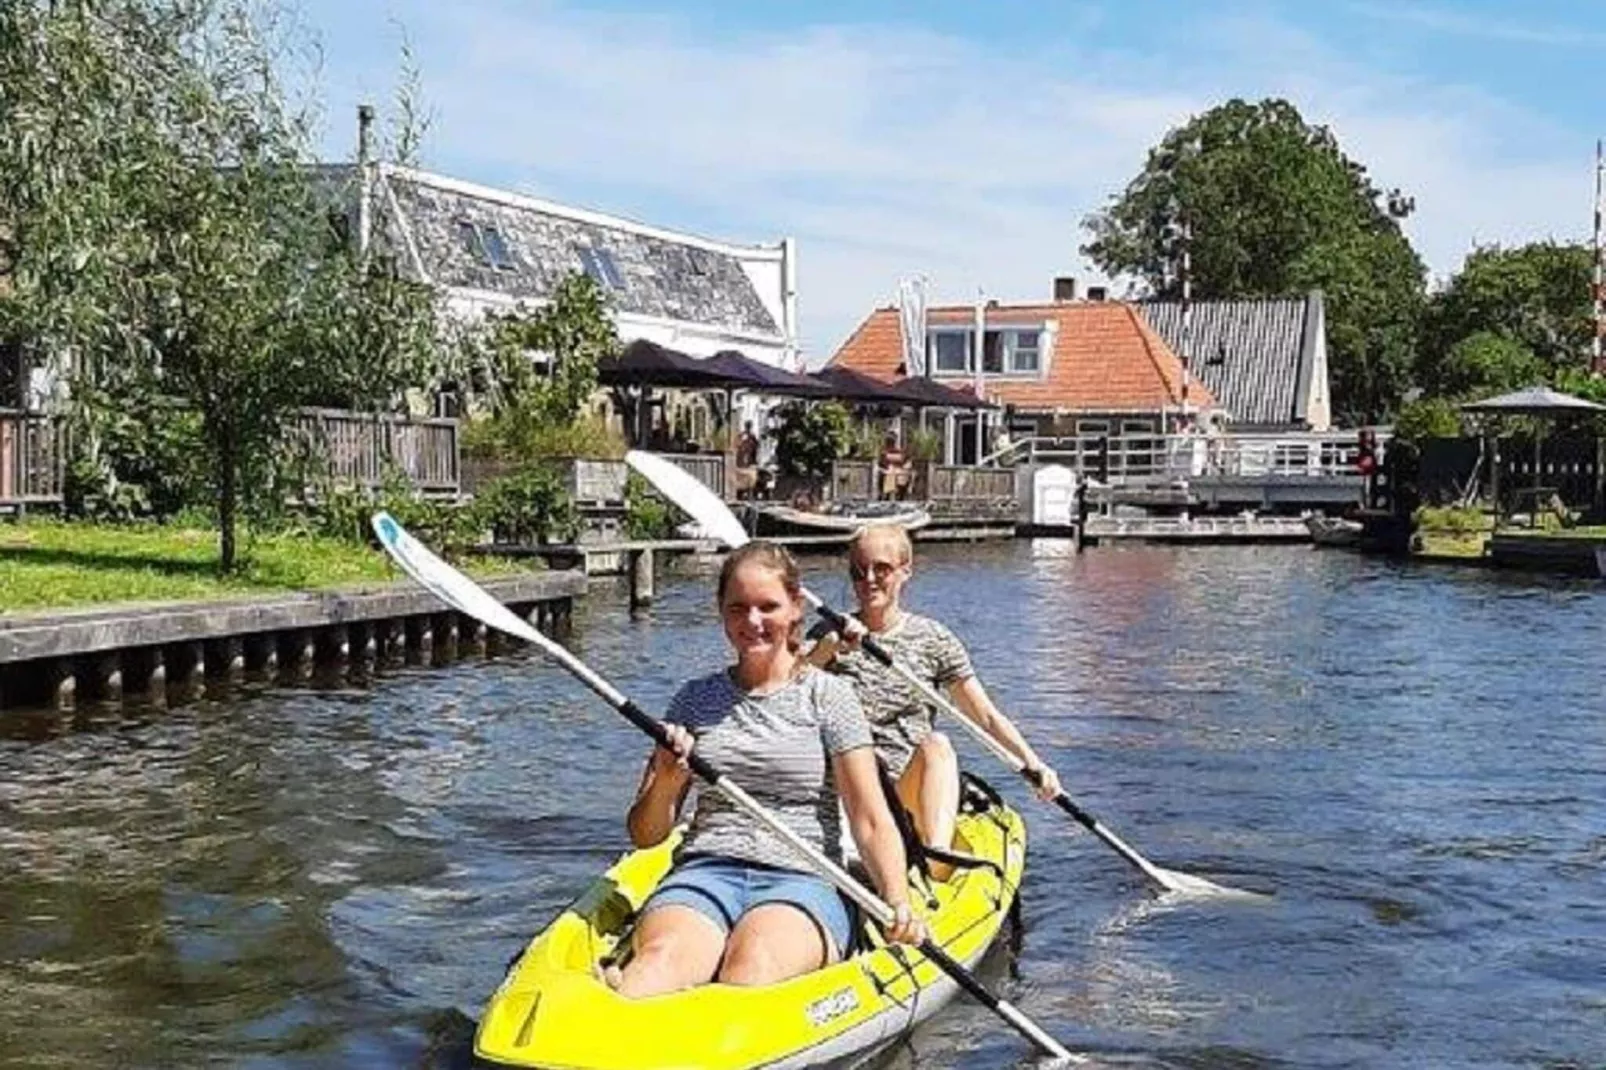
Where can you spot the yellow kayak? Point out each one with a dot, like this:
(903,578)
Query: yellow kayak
(552,1012)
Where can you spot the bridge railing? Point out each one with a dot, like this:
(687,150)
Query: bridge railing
(1139,459)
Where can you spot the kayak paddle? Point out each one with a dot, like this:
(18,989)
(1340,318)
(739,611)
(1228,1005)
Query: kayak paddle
(717,520)
(464,595)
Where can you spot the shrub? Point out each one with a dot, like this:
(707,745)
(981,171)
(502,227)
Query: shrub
(529,506)
(810,437)
(647,516)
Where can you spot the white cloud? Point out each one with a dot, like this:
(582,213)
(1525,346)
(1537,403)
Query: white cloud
(889,149)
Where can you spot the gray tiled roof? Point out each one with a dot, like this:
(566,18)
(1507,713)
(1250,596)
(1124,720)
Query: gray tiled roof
(658,276)
(1255,356)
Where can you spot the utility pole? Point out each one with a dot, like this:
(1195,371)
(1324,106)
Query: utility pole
(1597,365)
(1187,308)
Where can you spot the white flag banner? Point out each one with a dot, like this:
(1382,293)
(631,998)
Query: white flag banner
(912,321)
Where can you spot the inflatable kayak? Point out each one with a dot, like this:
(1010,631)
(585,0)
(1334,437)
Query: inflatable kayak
(551,1011)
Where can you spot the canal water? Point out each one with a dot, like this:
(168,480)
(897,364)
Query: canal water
(1412,762)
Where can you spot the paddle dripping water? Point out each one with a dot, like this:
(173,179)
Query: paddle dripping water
(715,518)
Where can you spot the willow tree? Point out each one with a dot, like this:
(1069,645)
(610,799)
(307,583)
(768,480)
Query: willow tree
(167,231)
(1270,205)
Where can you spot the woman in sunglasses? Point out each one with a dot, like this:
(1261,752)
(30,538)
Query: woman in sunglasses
(921,760)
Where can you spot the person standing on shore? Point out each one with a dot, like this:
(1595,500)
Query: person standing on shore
(921,760)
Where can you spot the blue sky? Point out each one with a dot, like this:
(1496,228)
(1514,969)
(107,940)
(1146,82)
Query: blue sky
(968,140)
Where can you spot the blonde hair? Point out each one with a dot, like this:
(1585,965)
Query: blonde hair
(896,533)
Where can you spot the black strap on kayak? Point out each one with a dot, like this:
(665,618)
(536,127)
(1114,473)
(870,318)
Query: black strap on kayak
(918,853)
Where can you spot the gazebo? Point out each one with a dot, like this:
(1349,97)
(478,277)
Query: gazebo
(1543,404)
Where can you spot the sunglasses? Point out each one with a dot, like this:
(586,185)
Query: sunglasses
(882,570)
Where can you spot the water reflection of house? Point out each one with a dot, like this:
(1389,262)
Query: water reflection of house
(489,249)
(1066,367)
(1264,359)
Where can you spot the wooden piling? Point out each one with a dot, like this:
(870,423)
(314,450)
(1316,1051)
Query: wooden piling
(446,638)
(107,677)
(641,577)
(225,661)
(64,685)
(186,670)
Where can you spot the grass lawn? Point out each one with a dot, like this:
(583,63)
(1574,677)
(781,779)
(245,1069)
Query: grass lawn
(47,563)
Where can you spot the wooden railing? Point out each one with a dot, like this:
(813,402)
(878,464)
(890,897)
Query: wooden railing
(853,480)
(361,449)
(33,459)
(953,483)
(708,468)
(1161,458)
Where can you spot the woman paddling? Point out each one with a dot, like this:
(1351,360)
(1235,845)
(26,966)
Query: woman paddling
(736,907)
(880,562)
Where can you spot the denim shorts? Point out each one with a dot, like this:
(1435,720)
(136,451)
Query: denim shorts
(723,889)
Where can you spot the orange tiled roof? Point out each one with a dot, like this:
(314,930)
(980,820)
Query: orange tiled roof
(1106,357)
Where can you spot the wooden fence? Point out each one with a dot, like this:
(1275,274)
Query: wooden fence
(33,459)
(361,449)
(1572,466)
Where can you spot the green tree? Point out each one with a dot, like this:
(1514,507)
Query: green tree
(1484,363)
(1533,300)
(1269,206)
(536,369)
(169,232)
(811,436)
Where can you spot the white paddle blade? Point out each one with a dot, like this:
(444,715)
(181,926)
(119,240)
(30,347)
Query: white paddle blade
(448,584)
(701,504)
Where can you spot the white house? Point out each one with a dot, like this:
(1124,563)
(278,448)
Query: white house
(488,249)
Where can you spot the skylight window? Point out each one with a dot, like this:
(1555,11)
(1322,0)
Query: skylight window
(496,250)
(486,244)
(468,236)
(600,266)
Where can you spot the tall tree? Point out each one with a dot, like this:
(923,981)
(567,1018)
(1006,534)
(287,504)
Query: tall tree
(1269,206)
(169,232)
(1530,303)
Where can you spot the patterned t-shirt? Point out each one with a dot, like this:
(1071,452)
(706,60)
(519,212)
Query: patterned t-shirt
(778,747)
(900,718)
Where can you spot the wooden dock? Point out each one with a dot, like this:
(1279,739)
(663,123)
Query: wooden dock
(180,650)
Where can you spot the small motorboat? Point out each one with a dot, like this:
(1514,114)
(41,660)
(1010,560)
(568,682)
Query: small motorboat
(835,518)
(1334,531)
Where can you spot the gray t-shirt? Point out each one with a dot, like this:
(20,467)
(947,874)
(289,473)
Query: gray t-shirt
(900,718)
(777,746)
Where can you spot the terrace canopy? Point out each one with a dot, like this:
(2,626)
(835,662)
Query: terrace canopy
(849,385)
(1534,401)
(928,392)
(763,378)
(645,364)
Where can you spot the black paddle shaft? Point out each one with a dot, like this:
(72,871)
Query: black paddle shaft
(654,728)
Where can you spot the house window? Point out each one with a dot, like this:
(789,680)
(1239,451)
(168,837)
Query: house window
(950,351)
(1024,357)
(1005,351)
(697,260)
(468,236)
(486,244)
(496,250)
(992,353)
(600,266)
